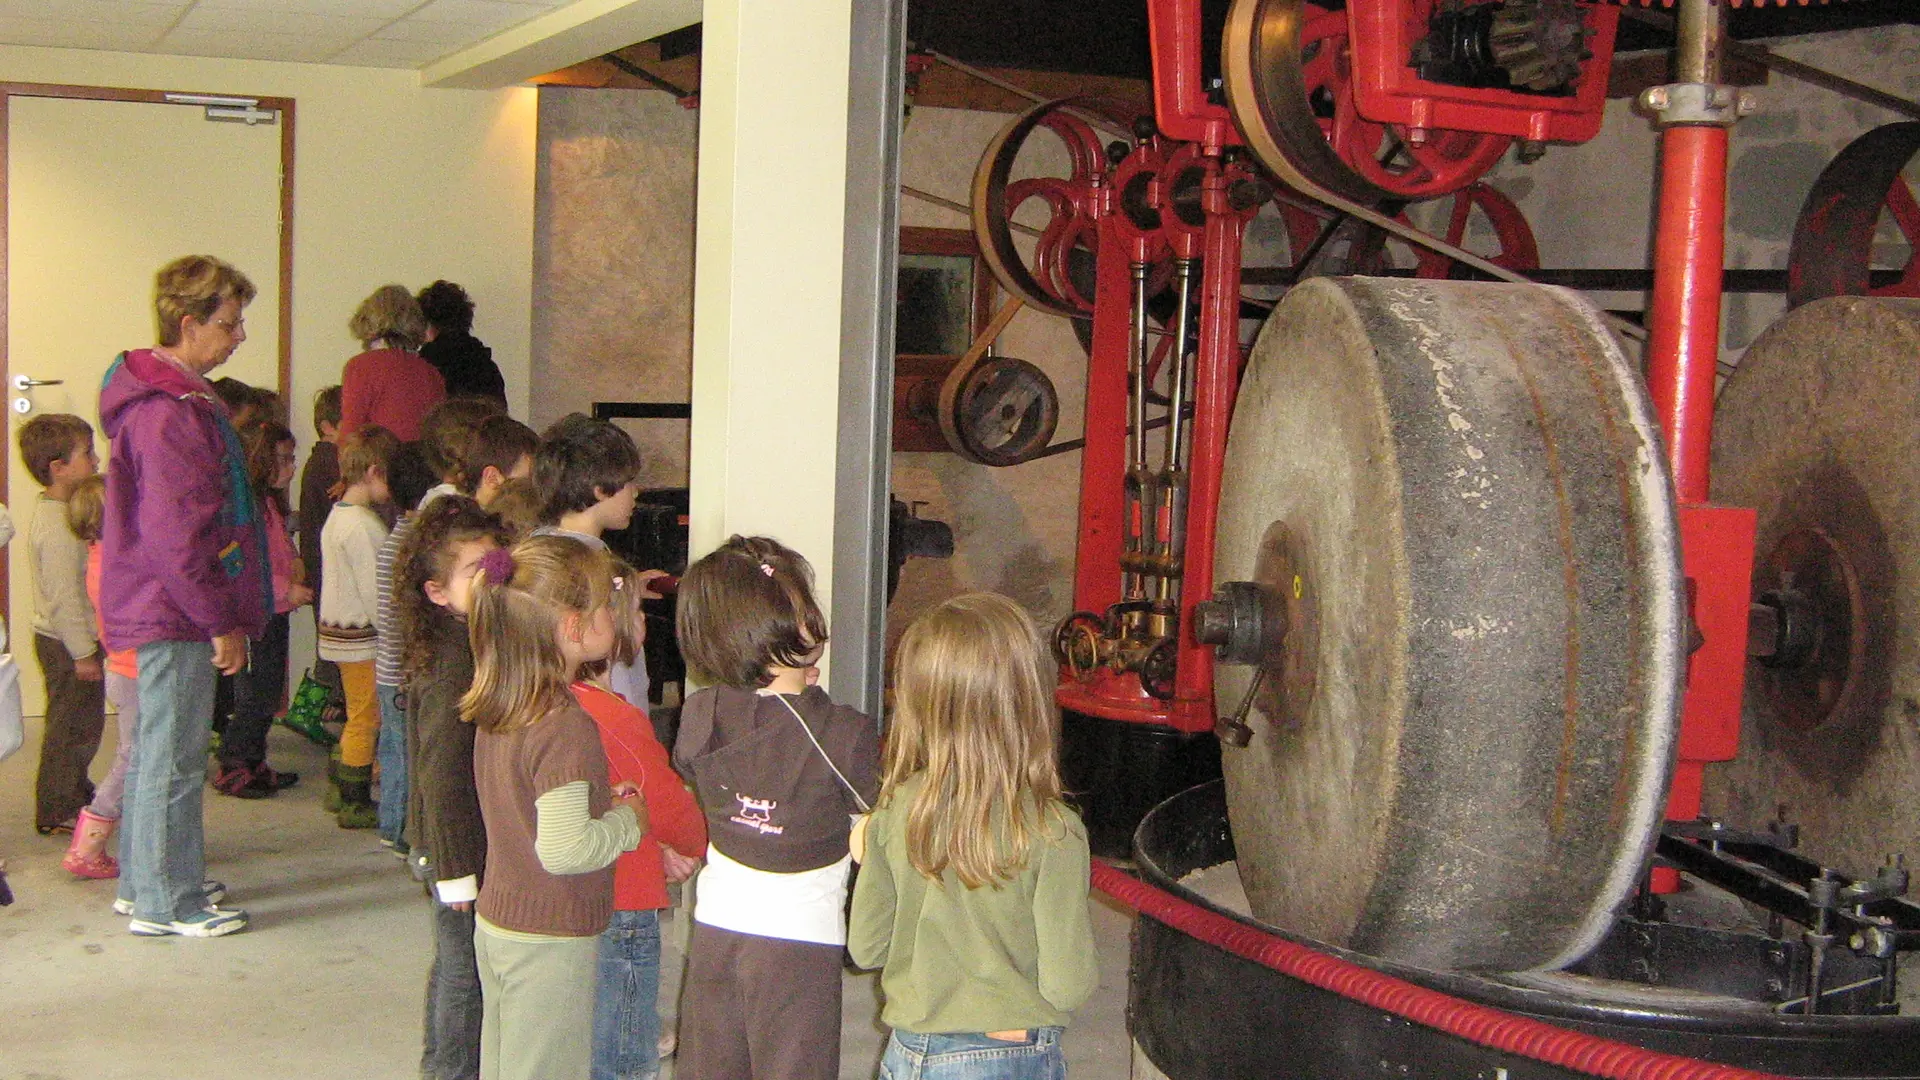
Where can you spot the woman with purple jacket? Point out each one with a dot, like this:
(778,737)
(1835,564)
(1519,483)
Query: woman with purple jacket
(183,581)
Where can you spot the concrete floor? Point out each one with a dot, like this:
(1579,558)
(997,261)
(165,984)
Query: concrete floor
(326,982)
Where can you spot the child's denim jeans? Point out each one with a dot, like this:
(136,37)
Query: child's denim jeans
(626,1007)
(962,1056)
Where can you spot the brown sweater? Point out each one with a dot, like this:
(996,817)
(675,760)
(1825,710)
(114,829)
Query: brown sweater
(511,769)
(443,811)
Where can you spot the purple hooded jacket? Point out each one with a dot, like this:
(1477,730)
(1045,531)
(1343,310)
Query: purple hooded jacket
(183,551)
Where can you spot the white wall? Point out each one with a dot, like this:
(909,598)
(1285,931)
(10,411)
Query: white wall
(392,182)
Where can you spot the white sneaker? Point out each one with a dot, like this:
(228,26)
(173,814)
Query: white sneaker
(215,891)
(207,922)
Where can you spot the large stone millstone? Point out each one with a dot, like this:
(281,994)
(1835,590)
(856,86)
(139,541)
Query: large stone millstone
(1464,484)
(1818,430)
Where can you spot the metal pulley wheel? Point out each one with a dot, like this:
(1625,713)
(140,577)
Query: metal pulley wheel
(1060,277)
(1289,82)
(1816,431)
(1451,497)
(1004,410)
(1832,252)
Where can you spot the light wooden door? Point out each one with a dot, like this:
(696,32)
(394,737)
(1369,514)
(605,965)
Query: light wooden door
(100,194)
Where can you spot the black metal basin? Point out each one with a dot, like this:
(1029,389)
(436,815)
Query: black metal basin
(1201,1013)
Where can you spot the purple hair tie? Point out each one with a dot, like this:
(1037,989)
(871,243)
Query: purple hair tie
(498,565)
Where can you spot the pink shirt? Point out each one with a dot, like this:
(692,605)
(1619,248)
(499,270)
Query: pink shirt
(280,556)
(390,387)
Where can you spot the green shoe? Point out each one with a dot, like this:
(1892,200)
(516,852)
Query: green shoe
(304,713)
(330,798)
(356,815)
(357,810)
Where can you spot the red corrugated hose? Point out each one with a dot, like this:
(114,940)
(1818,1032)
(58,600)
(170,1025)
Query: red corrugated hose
(1476,1023)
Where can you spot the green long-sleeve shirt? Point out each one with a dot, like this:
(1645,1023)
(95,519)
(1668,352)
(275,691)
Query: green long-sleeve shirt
(995,958)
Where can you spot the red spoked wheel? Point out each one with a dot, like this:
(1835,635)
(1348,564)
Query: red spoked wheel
(1512,247)
(1905,212)
(1289,79)
(1387,156)
(1060,277)
(1860,192)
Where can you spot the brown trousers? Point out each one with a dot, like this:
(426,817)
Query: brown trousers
(76,716)
(759,1008)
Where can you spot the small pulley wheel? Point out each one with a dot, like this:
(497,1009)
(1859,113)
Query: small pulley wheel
(1460,749)
(1812,431)
(1004,411)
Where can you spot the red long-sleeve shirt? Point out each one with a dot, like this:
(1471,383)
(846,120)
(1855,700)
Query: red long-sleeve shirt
(390,387)
(673,817)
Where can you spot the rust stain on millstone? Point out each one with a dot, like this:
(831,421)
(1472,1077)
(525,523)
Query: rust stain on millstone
(1569,587)
(1623,445)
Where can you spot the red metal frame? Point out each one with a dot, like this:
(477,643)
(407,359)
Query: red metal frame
(1180,101)
(1387,91)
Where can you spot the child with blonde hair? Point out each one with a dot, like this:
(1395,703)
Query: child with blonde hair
(779,770)
(972,894)
(87,856)
(554,825)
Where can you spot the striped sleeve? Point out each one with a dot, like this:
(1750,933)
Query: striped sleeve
(568,840)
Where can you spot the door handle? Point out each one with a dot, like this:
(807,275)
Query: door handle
(28,382)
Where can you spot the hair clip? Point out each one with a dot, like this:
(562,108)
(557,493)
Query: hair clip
(767,569)
(498,565)
(619,583)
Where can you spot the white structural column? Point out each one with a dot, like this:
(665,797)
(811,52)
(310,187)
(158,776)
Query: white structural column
(773,356)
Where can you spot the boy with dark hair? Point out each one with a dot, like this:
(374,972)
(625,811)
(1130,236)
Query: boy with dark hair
(58,451)
(317,481)
(589,471)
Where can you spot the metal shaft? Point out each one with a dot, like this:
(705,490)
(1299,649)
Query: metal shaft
(1175,456)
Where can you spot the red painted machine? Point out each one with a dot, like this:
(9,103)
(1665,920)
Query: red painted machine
(1340,111)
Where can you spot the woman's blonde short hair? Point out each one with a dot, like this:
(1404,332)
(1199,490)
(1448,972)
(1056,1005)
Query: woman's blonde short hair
(390,314)
(195,285)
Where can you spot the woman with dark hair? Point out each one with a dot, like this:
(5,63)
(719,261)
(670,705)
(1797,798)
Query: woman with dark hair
(463,360)
(389,384)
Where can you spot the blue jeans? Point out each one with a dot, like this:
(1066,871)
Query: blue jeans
(450,1049)
(163,860)
(391,753)
(626,1006)
(963,1056)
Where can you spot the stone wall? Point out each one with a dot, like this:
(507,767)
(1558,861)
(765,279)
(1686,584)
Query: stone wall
(613,262)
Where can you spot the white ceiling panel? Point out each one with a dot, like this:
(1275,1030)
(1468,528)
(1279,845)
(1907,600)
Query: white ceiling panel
(366,33)
(245,23)
(453,35)
(77,33)
(478,13)
(389,53)
(294,48)
(144,14)
(371,9)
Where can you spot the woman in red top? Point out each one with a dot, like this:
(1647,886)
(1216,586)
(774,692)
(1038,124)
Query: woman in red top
(626,1016)
(389,384)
